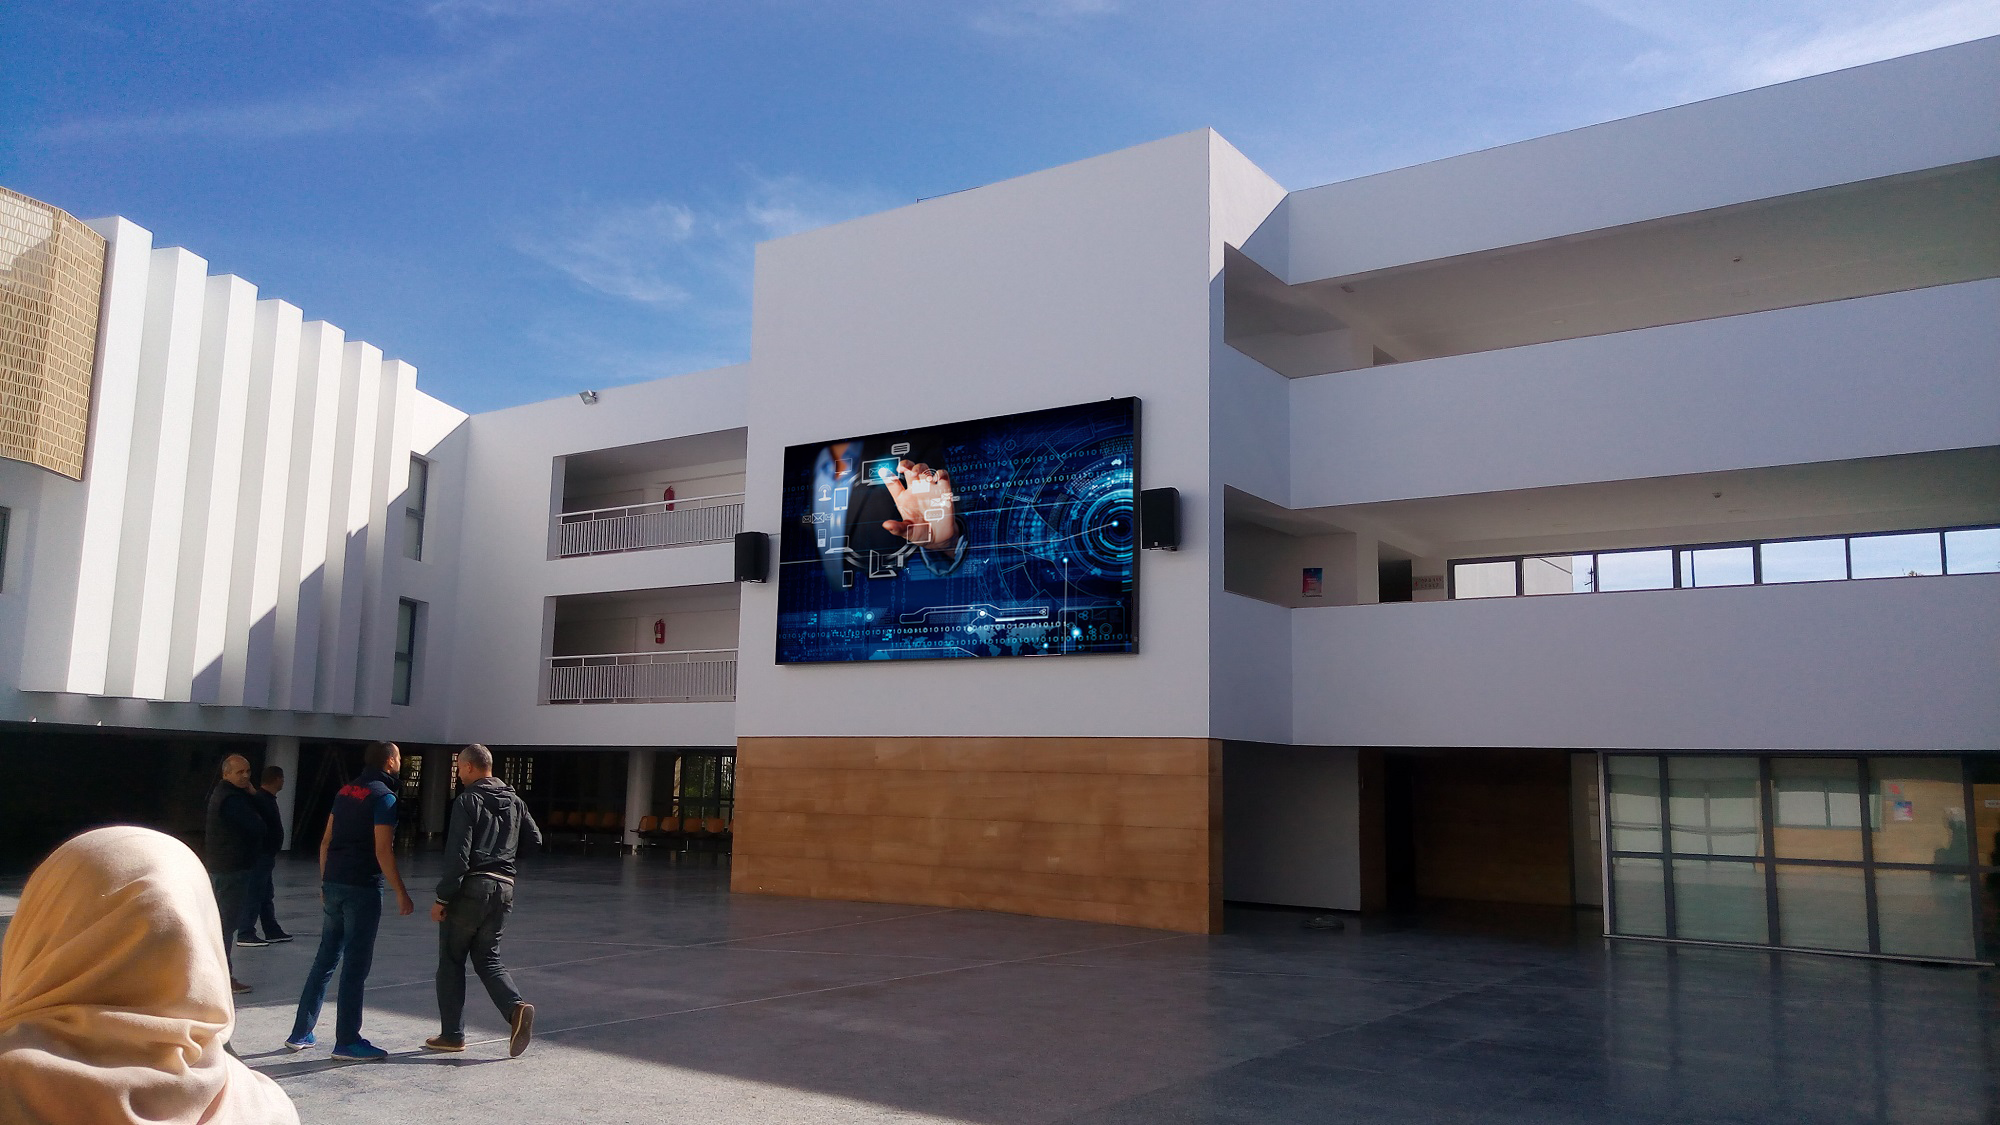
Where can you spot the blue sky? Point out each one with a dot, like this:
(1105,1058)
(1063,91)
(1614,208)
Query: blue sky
(528,197)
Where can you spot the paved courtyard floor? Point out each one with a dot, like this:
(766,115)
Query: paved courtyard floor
(663,999)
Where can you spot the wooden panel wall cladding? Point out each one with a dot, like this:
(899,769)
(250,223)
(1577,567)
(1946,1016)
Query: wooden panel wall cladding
(1121,830)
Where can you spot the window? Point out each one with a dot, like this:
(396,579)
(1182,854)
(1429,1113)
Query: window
(1896,554)
(6,522)
(1484,579)
(416,502)
(407,615)
(1896,855)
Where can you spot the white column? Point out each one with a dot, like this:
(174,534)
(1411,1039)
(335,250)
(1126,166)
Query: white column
(215,480)
(156,491)
(282,750)
(316,416)
(267,472)
(638,792)
(348,525)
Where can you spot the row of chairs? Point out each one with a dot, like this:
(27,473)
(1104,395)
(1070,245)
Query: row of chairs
(693,826)
(602,820)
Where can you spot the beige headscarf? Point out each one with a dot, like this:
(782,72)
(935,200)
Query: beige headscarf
(114,994)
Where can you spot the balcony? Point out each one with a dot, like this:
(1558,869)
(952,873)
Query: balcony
(675,492)
(643,527)
(691,676)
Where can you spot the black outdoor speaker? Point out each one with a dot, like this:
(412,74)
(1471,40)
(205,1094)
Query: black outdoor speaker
(1160,519)
(753,556)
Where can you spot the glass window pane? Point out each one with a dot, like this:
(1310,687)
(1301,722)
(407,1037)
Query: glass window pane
(1483,579)
(1557,574)
(1720,900)
(1714,807)
(1805,560)
(1894,556)
(1918,810)
(399,690)
(413,536)
(1823,907)
(1635,570)
(1972,552)
(1985,770)
(1635,802)
(1718,566)
(1924,913)
(1639,896)
(1817,802)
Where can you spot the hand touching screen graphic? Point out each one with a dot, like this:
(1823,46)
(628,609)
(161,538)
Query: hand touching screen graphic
(926,504)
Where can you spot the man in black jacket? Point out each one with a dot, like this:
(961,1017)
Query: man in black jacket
(235,834)
(260,904)
(474,896)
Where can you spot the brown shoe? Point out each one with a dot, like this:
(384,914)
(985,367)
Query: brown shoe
(445,1043)
(524,1027)
(237,986)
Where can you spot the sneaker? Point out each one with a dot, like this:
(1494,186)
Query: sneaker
(251,942)
(237,986)
(273,939)
(524,1028)
(360,1051)
(445,1043)
(301,1043)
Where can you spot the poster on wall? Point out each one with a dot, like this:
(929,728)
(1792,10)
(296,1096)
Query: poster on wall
(1312,582)
(1011,536)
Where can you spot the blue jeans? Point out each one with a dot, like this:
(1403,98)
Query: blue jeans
(346,939)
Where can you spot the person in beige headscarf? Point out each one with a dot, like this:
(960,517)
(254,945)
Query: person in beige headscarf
(114,994)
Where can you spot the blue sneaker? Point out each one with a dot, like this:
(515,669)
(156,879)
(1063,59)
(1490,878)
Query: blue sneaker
(360,1051)
(301,1043)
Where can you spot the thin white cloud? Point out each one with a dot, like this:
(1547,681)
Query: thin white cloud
(397,94)
(1016,18)
(1713,47)
(668,253)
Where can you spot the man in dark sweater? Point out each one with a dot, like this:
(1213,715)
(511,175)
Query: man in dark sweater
(260,902)
(357,855)
(233,834)
(474,896)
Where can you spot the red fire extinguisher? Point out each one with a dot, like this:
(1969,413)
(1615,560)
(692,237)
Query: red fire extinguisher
(669,498)
(660,631)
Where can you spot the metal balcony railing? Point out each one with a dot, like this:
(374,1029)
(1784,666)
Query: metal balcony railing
(641,527)
(694,676)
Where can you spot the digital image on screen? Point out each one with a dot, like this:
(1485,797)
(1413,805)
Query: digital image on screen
(1006,536)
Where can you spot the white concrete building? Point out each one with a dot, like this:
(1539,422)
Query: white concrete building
(1708,373)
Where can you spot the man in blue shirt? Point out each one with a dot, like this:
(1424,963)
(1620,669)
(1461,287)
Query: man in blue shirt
(356,854)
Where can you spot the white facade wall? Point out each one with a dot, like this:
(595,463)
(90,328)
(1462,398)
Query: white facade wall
(506,580)
(1868,377)
(1090,281)
(1884,664)
(162,590)
(1904,115)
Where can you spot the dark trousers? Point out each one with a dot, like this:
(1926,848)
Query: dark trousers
(471,927)
(232,891)
(259,902)
(347,939)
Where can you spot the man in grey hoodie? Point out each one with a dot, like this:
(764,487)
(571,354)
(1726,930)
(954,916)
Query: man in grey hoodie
(487,821)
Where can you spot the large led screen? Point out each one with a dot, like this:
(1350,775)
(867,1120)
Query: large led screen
(1003,537)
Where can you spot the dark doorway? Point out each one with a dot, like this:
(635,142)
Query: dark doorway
(1397,580)
(1489,826)
(1399,833)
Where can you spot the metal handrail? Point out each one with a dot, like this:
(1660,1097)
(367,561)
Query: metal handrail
(702,675)
(664,505)
(626,657)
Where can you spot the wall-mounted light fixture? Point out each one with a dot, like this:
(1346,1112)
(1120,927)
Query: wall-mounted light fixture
(589,397)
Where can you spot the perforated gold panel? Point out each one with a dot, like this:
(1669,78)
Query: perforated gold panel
(51,276)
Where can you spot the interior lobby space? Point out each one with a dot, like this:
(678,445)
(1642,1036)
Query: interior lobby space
(661,997)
